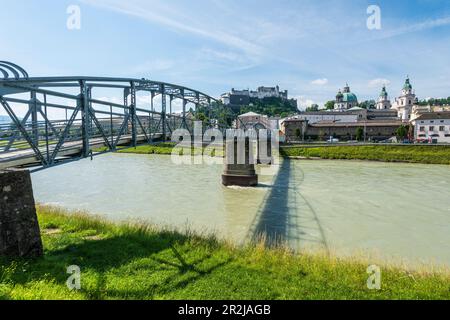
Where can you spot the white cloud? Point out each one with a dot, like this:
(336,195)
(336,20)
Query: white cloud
(320,82)
(304,102)
(375,83)
(425,25)
(170,17)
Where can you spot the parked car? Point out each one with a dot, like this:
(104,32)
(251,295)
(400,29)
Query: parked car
(333,140)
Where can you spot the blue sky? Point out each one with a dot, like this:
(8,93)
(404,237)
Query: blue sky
(312,48)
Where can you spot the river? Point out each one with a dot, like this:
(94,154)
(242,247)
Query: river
(394,212)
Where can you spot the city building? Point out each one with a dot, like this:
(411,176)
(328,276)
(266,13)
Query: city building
(236,97)
(384,103)
(433,127)
(252,120)
(405,102)
(378,130)
(345,100)
(335,116)
(243,97)
(269,92)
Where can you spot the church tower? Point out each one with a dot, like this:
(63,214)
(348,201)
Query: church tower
(404,104)
(383,102)
(345,100)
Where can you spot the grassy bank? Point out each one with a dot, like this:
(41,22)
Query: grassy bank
(413,153)
(160,148)
(143,262)
(394,153)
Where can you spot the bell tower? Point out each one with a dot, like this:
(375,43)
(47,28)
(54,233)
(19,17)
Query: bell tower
(383,102)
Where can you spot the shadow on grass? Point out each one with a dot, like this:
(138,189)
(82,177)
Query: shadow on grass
(130,253)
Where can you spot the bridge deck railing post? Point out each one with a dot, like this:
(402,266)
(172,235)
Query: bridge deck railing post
(85,119)
(133,115)
(163,112)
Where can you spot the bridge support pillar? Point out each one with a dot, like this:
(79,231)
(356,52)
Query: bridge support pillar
(19,229)
(239,167)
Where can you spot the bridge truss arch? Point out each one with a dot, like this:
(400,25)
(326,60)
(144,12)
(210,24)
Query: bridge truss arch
(63,116)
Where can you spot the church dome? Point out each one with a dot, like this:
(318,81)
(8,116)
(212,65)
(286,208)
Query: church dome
(350,97)
(407,85)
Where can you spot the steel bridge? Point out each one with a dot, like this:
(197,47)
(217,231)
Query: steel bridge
(62,119)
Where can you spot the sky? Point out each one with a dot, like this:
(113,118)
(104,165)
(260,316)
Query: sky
(311,48)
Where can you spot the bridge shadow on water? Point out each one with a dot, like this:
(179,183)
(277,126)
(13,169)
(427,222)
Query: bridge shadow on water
(285,216)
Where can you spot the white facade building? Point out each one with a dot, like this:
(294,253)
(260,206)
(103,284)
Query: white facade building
(252,120)
(404,104)
(433,127)
(384,103)
(345,100)
(333,116)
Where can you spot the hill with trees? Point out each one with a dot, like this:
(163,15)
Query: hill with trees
(272,107)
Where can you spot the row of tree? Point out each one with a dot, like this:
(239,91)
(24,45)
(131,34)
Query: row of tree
(272,107)
(329,105)
(435,102)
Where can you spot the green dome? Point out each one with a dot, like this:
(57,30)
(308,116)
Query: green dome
(407,85)
(350,97)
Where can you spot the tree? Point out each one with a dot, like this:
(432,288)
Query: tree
(368,104)
(329,105)
(313,108)
(359,134)
(402,132)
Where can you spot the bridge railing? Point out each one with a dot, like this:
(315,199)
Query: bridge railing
(52,119)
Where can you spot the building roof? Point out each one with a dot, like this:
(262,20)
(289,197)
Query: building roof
(359,124)
(434,115)
(407,85)
(349,97)
(355,109)
(346,95)
(251,114)
(332,113)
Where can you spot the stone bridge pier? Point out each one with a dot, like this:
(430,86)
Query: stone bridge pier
(19,229)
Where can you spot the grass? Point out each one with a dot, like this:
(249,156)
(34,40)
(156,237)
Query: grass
(411,153)
(393,153)
(140,261)
(160,148)
(23,145)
